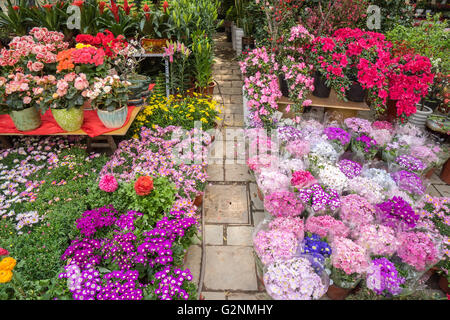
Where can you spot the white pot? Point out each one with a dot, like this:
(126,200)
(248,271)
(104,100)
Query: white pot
(420,117)
(239,35)
(233,35)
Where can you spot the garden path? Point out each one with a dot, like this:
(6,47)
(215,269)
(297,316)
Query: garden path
(231,207)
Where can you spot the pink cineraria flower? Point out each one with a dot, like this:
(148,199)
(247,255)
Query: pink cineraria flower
(108,183)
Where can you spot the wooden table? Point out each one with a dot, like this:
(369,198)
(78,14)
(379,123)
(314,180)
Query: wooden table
(332,103)
(107,138)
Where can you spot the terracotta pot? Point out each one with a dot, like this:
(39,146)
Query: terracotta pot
(445,173)
(443,284)
(260,195)
(198,200)
(337,293)
(430,173)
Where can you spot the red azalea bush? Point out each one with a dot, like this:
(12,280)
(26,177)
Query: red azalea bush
(110,44)
(143,185)
(368,57)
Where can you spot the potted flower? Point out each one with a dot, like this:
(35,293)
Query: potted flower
(110,96)
(349,262)
(364,147)
(22,93)
(155,25)
(66,100)
(203,60)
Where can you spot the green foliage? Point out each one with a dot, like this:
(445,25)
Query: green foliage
(203,59)
(394,13)
(15,21)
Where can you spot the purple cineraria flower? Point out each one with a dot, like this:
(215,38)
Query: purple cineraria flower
(410,163)
(338,134)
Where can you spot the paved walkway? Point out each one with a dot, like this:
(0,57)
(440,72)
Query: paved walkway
(231,207)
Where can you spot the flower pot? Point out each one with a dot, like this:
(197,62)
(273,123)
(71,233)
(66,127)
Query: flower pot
(69,119)
(248,43)
(420,117)
(198,200)
(260,195)
(113,119)
(26,119)
(429,173)
(320,88)
(443,284)
(356,93)
(338,293)
(284,88)
(445,173)
(153,45)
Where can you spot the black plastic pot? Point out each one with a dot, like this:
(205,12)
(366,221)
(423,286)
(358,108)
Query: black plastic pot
(320,88)
(356,93)
(284,88)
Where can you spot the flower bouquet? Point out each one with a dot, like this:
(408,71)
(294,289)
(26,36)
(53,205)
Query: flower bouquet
(258,162)
(333,177)
(383,278)
(358,126)
(325,226)
(320,200)
(378,240)
(295,279)
(298,148)
(294,225)
(349,168)
(315,245)
(409,182)
(380,176)
(288,133)
(271,180)
(283,204)
(366,188)
(356,211)
(364,147)
(302,179)
(338,137)
(381,136)
(408,163)
(349,262)
(392,150)
(397,213)
(274,245)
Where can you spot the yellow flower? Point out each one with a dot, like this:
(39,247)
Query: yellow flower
(55,96)
(5,276)
(7,263)
(203,120)
(81,46)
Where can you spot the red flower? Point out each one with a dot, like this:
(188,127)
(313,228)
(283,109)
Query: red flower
(78,3)
(3,252)
(151,86)
(101,6)
(15,8)
(48,6)
(146,9)
(127,7)
(115,10)
(165,6)
(143,185)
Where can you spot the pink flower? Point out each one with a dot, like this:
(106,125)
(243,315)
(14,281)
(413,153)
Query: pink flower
(37,66)
(108,183)
(81,82)
(26,100)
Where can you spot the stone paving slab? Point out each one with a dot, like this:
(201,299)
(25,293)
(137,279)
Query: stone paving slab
(237,172)
(214,234)
(239,236)
(213,295)
(226,204)
(215,172)
(193,262)
(258,217)
(444,190)
(432,191)
(230,268)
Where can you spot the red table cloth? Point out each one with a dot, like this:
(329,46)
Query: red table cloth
(92,125)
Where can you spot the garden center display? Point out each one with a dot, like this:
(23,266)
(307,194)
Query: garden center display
(307,166)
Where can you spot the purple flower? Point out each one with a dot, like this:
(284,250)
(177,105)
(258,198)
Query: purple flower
(335,133)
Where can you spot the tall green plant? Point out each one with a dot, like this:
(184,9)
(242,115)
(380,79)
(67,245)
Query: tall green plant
(203,59)
(51,16)
(15,18)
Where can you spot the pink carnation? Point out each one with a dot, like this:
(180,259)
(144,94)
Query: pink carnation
(108,183)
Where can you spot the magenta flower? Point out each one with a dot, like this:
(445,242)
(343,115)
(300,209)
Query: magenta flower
(108,183)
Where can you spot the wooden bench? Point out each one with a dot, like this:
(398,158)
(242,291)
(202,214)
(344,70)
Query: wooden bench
(105,140)
(332,103)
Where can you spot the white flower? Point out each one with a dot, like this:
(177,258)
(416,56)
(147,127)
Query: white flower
(107,89)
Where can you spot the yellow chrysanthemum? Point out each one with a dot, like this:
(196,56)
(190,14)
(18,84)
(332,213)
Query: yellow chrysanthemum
(7,263)
(5,276)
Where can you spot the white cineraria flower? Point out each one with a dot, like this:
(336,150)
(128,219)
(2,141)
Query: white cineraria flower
(333,177)
(107,89)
